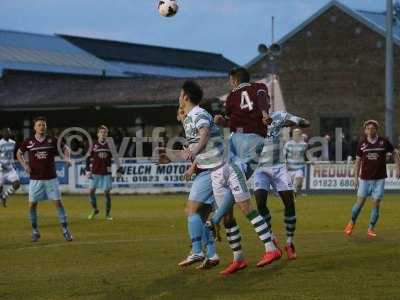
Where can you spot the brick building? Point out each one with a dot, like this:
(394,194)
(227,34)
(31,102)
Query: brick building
(332,69)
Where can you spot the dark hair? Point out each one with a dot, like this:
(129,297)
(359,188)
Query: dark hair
(40,118)
(102,127)
(241,74)
(193,90)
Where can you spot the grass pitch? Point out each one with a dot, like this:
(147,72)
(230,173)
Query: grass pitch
(135,256)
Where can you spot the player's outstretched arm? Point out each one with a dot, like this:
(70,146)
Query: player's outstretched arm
(293,121)
(304,123)
(162,155)
(263,105)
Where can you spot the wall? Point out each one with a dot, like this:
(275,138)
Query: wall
(334,67)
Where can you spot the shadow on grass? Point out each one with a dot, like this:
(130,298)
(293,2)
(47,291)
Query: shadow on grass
(195,284)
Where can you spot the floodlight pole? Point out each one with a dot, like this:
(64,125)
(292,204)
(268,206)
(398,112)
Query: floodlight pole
(389,101)
(273,30)
(273,71)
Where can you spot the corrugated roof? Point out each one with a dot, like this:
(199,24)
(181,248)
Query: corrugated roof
(152,55)
(165,71)
(24,90)
(46,53)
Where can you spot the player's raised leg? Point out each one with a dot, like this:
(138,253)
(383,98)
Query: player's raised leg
(11,190)
(261,196)
(234,239)
(238,187)
(225,200)
(260,226)
(262,184)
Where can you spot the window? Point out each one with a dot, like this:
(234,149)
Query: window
(328,125)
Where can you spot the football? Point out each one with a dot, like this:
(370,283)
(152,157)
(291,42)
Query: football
(168,8)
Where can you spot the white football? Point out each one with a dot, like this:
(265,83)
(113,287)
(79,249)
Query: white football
(168,8)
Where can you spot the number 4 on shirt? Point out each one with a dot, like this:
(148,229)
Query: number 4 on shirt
(245,101)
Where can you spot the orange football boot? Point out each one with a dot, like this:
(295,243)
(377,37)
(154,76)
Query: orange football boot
(349,228)
(235,266)
(371,233)
(269,257)
(290,251)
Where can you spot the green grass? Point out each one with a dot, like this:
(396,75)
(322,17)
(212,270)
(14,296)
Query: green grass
(135,256)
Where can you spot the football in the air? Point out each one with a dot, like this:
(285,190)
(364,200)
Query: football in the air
(168,8)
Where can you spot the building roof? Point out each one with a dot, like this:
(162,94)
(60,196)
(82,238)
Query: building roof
(138,54)
(141,69)
(47,53)
(25,90)
(376,21)
(379,19)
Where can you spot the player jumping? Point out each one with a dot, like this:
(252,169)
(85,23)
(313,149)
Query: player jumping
(201,199)
(246,115)
(7,171)
(43,183)
(227,175)
(246,110)
(272,171)
(370,174)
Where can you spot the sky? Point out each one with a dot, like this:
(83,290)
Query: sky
(233,28)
